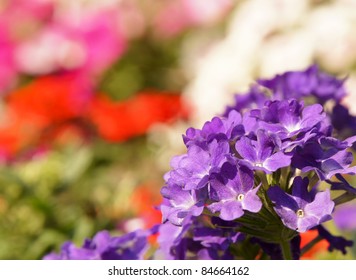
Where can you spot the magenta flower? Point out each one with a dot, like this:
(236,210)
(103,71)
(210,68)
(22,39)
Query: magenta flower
(8,69)
(88,41)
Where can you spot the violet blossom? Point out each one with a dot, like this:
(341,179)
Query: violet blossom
(326,155)
(245,179)
(228,128)
(263,153)
(288,118)
(232,196)
(196,240)
(261,134)
(179,203)
(192,170)
(310,82)
(130,246)
(302,210)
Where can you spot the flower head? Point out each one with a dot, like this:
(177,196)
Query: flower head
(326,155)
(180,203)
(262,152)
(310,82)
(289,118)
(232,196)
(105,247)
(302,210)
(193,170)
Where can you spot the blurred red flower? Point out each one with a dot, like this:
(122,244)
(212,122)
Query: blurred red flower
(119,121)
(45,102)
(41,111)
(145,200)
(308,236)
(51,99)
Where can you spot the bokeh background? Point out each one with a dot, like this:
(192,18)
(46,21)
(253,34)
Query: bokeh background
(95,95)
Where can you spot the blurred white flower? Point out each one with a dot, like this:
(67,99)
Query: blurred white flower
(264,38)
(333,29)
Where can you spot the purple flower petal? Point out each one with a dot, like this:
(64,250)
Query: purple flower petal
(298,211)
(251,201)
(245,148)
(276,161)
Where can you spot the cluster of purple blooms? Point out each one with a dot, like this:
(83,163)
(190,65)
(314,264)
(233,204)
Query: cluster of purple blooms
(103,246)
(255,176)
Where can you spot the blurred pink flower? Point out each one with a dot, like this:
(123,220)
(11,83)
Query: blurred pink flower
(7,66)
(52,49)
(83,40)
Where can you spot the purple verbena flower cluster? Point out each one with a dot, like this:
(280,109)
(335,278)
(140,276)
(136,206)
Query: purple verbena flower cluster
(267,154)
(131,246)
(195,239)
(257,176)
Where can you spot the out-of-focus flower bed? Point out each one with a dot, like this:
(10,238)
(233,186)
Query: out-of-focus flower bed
(82,83)
(95,95)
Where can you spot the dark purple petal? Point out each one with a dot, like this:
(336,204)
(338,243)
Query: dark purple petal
(282,199)
(219,190)
(335,242)
(104,247)
(254,98)
(245,179)
(342,185)
(300,191)
(265,145)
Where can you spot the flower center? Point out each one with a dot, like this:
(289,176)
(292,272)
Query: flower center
(240,197)
(300,213)
(259,164)
(293,127)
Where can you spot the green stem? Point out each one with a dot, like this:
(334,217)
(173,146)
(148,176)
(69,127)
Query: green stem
(313,179)
(346,197)
(286,250)
(310,245)
(286,174)
(263,177)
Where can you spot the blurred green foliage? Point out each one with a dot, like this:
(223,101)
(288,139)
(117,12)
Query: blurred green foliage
(148,64)
(69,194)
